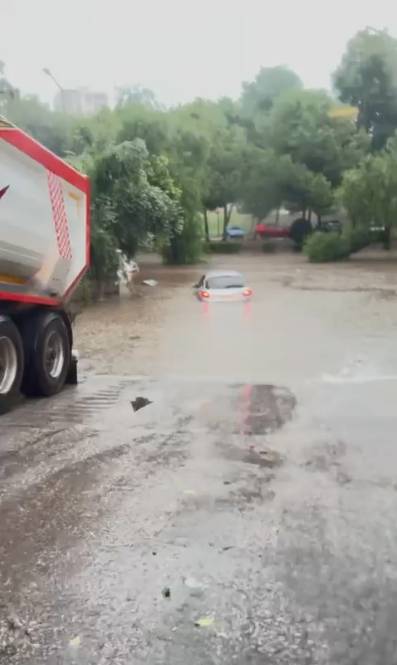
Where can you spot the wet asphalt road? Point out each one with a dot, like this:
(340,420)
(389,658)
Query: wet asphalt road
(246,515)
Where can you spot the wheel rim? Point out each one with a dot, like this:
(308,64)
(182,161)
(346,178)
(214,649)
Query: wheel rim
(8,365)
(54,355)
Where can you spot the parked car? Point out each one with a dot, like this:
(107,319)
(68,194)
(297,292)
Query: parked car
(332,225)
(235,232)
(298,230)
(268,231)
(222,286)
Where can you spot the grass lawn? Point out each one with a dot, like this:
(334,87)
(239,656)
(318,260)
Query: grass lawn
(237,219)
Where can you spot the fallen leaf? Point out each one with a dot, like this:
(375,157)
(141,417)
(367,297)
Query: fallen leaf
(204,622)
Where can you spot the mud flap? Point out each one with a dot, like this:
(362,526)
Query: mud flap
(72,376)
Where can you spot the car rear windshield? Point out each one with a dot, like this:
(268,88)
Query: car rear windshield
(225,282)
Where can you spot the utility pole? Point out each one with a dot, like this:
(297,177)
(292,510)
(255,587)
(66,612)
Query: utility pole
(49,73)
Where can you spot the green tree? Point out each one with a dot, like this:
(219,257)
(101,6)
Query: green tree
(52,129)
(263,181)
(297,187)
(122,176)
(321,197)
(301,125)
(369,192)
(96,133)
(355,195)
(146,123)
(7,91)
(259,96)
(137,95)
(224,173)
(367,79)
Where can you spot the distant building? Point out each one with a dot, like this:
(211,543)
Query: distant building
(80,101)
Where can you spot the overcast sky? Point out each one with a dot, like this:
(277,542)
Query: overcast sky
(180,48)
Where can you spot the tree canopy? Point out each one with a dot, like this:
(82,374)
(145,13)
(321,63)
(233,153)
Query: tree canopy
(367,79)
(259,95)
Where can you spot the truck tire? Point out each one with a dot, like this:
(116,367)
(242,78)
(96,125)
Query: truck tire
(47,354)
(11,364)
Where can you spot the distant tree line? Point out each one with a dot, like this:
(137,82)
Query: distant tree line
(156,172)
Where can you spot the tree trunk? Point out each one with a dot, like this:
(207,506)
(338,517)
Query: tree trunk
(227,213)
(310,215)
(101,290)
(387,237)
(206,228)
(253,227)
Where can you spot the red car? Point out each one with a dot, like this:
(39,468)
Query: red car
(266,231)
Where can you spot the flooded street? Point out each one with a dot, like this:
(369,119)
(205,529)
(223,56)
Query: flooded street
(304,322)
(244,510)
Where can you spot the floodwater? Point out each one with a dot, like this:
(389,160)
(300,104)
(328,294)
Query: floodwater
(221,487)
(303,322)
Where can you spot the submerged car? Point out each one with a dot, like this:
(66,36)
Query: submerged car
(222,286)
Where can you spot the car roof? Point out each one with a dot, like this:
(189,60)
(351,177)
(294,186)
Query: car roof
(223,273)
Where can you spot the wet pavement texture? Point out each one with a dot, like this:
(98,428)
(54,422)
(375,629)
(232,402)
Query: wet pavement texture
(244,513)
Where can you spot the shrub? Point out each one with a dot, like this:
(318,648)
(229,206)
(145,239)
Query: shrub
(323,247)
(185,248)
(357,238)
(223,247)
(268,247)
(85,292)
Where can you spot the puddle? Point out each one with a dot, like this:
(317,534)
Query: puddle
(250,409)
(264,408)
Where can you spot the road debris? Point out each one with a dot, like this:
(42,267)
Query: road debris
(204,622)
(271,457)
(15,637)
(150,282)
(140,403)
(166,592)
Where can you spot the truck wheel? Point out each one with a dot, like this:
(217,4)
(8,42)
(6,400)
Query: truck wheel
(11,364)
(47,354)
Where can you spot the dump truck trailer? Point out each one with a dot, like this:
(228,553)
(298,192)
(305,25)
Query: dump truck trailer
(44,253)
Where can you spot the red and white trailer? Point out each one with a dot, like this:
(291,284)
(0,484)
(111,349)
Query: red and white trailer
(44,253)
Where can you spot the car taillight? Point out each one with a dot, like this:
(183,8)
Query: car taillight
(247,293)
(204,294)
